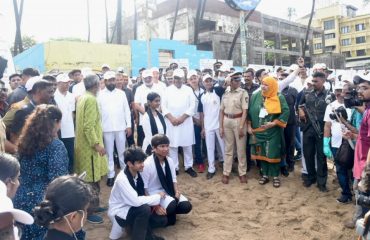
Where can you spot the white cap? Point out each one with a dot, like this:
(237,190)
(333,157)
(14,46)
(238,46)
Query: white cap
(363,76)
(293,67)
(338,86)
(147,73)
(105,66)
(207,76)
(31,82)
(109,74)
(319,66)
(121,69)
(6,206)
(192,73)
(63,78)
(178,73)
(154,69)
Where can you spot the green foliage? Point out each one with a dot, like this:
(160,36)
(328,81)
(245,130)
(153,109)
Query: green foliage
(27,42)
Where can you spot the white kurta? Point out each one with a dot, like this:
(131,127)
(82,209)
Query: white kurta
(178,101)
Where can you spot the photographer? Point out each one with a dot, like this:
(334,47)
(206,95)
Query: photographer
(362,141)
(333,143)
(311,113)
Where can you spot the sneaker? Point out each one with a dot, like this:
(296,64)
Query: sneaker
(191,172)
(94,219)
(201,168)
(344,199)
(101,209)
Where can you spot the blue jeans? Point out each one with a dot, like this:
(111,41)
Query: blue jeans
(343,177)
(197,146)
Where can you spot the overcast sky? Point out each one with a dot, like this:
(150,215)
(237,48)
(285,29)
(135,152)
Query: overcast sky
(45,19)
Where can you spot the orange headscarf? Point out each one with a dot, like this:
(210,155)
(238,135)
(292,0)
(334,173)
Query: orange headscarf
(272,101)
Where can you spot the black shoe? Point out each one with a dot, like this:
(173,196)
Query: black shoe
(323,189)
(177,172)
(284,171)
(191,172)
(307,183)
(110,182)
(210,175)
(154,237)
(344,199)
(291,168)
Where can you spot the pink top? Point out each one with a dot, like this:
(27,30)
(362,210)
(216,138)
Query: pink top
(362,145)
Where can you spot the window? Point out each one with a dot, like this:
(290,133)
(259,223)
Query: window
(361,52)
(330,36)
(344,29)
(317,35)
(360,39)
(329,48)
(330,24)
(347,54)
(318,45)
(360,27)
(346,42)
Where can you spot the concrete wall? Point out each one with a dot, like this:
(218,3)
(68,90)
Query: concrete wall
(140,57)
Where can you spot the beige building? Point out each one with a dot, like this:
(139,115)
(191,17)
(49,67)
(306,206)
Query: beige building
(344,33)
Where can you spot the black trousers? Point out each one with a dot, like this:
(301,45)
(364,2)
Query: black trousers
(177,208)
(313,145)
(248,148)
(142,221)
(289,136)
(69,143)
(130,139)
(140,136)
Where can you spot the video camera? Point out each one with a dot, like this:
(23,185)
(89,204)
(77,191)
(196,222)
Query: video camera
(341,112)
(351,99)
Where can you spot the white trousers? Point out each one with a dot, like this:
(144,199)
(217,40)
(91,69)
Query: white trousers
(211,143)
(188,156)
(109,138)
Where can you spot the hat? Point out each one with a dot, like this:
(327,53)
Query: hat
(6,206)
(207,76)
(338,86)
(179,73)
(31,82)
(361,76)
(234,74)
(155,69)
(318,66)
(63,78)
(147,73)
(121,69)
(326,68)
(192,73)
(293,67)
(105,66)
(109,75)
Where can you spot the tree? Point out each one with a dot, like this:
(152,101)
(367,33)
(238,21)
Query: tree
(174,19)
(119,22)
(27,42)
(18,45)
(198,17)
(88,20)
(308,29)
(291,13)
(106,22)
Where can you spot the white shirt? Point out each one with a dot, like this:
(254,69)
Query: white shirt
(211,110)
(298,84)
(79,89)
(148,130)
(124,196)
(336,127)
(114,110)
(179,101)
(66,104)
(159,87)
(142,93)
(150,176)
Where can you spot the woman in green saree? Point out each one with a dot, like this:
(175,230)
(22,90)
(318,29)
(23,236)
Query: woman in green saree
(267,116)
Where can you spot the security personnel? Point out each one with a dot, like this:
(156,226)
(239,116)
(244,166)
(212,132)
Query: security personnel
(233,113)
(311,113)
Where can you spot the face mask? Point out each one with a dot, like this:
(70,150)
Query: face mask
(110,87)
(69,224)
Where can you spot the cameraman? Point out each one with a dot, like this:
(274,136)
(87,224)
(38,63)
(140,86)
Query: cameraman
(312,108)
(362,142)
(333,140)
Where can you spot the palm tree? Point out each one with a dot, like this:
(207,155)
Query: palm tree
(88,20)
(18,45)
(119,22)
(174,19)
(308,29)
(197,20)
(106,22)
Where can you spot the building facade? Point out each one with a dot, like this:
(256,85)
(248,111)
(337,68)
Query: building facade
(344,33)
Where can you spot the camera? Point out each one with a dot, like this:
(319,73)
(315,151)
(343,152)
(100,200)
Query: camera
(341,112)
(351,99)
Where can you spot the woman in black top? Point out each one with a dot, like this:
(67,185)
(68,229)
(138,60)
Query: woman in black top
(63,210)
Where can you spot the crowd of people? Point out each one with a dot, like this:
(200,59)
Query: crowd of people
(62,133)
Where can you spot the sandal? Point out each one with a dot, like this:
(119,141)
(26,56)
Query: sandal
(276,182)
(263,180)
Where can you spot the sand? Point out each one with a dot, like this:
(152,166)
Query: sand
(251,211)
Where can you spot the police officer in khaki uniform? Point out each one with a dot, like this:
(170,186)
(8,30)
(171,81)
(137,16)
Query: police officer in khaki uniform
(233,114)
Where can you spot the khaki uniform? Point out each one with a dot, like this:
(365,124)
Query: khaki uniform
(234,102)
(9,116)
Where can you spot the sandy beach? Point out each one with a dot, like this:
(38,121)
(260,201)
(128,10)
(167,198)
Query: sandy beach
(251,211)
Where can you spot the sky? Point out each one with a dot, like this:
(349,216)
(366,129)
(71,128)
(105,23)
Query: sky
(47,19)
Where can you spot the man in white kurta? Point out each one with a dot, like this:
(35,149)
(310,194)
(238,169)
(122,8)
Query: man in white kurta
(116,121)
(178,106)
